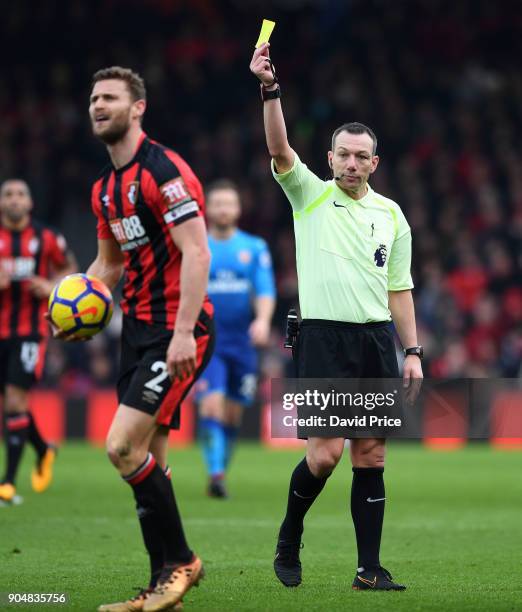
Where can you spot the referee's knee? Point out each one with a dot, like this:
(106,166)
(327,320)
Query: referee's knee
(368,453)
(322,461)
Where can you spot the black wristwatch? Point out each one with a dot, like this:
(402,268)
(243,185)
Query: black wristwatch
(270,95)
(414,350)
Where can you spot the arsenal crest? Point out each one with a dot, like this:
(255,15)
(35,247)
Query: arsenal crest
(245,257)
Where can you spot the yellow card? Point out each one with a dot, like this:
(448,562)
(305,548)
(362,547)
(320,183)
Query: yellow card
(266,30)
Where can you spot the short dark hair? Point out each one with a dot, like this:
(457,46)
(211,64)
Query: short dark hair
(135,83)
(219,184)
(355,128)
(15,179)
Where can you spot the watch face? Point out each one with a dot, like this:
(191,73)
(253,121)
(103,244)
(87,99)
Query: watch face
(415,350)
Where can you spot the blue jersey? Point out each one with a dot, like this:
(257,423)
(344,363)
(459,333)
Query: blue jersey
(240,271)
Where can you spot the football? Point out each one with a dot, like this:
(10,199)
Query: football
(80,304)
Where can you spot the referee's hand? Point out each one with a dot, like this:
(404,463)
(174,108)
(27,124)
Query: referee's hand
(260,66)
(412,378)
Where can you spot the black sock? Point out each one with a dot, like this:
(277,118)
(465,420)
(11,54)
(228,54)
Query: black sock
(367,506)
(16,430)
(157,505)
(152,539)
(303,491)
(34,437)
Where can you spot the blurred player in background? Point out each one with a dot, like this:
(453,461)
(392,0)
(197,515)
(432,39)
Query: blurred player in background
(149,207)
(241,287)
(33,258)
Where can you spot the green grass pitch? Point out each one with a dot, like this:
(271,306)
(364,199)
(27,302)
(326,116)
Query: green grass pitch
(453,533)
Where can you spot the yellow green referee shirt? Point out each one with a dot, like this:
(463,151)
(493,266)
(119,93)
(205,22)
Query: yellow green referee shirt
(349,253)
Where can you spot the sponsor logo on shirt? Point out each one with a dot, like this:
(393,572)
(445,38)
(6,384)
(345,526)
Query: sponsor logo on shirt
(18,268)
(227,282)
(129,232)
(175,192)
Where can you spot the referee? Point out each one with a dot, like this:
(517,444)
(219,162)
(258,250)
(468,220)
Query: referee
(353,253)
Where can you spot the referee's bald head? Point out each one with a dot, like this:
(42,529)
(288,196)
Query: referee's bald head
(355,128)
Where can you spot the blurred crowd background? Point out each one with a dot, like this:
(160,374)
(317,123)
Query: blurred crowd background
(438,81)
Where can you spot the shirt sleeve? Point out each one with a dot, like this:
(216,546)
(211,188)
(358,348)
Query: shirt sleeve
(180,194)
(103,231)
(57,249)
(264,284)
(399,265)
(301,185)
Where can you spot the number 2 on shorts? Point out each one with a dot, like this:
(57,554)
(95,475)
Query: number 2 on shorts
(154,384)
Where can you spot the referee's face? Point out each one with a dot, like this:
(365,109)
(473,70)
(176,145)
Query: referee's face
(352,161)
(223,208)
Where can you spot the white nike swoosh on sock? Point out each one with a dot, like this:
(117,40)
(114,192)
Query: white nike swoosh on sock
(302,496)
(371,501)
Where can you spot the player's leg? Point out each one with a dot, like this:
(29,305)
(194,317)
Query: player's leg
(211,398)
(16,432)
(128,445)
(21,359)
(152,536)
(128,442)
(307,482)
(177,578)
(134,432)
(232,419)
(241,394)
(42,474)
(159,447)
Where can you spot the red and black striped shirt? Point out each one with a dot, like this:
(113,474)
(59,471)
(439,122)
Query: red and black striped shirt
(136,205)
(37,250)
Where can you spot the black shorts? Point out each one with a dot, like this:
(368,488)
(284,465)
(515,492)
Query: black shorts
(334,349)
(21,361)
(144,383)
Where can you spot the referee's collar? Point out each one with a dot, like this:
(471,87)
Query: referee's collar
(362,201)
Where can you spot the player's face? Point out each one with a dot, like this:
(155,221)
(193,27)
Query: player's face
(223,208)
(15,200)
(353,160)
(111,110)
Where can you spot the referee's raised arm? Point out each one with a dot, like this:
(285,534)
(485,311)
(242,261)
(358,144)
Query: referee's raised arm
(275,128)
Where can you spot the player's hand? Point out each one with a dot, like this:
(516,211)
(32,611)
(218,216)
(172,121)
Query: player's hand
(181,355)
(40,287)
(260,66)
(5,279)
(412,378)
(259,332)
(59,334)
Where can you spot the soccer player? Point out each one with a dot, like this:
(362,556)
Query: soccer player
(353,254)
(149,207)
(33,258)
(241,287)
